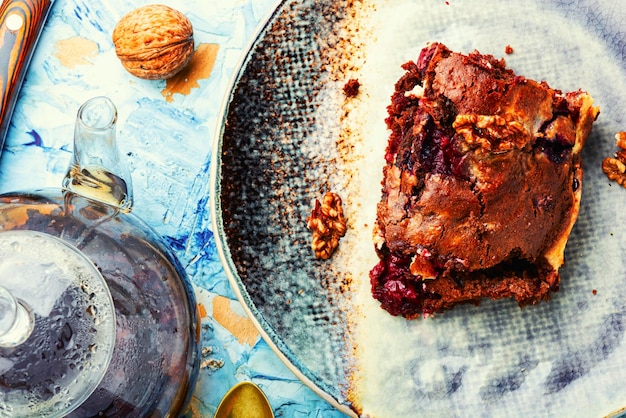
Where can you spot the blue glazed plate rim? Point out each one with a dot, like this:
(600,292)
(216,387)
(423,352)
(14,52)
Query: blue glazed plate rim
(273,340)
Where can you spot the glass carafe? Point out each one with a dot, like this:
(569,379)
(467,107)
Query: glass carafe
(155,359)
(57,326)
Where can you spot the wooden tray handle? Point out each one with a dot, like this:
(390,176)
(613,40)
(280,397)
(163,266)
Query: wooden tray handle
(21,23)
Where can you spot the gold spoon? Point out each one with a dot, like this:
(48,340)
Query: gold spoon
(244,400)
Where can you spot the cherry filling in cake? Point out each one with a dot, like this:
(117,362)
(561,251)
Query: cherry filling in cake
(481,186)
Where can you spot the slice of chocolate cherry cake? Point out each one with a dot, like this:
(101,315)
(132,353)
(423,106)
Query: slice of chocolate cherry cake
(481,186)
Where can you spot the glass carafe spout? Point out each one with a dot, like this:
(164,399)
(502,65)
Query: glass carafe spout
(96,170)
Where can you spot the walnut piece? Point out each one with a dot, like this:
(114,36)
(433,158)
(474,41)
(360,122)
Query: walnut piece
(614,170)
(154,41)
(615,167)
(489,131)
(328,225)
(620,140)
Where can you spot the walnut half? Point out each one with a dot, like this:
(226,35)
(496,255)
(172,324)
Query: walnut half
(328,225)
(615,170)
(615,167)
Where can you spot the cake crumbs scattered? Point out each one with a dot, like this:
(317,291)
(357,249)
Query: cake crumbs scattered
(351,88)
(594,291)
(508,50)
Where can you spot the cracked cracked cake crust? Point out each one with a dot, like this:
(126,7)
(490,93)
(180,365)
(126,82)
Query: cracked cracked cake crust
(481,186)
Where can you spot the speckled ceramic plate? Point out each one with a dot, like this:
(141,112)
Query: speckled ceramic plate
(289,134)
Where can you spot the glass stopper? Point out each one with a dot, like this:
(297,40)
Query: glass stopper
(16,319)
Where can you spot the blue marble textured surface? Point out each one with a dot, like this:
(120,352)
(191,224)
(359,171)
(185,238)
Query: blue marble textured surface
(168,142)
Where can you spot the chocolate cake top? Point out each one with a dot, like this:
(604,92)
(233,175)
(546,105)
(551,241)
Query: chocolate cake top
(483,165)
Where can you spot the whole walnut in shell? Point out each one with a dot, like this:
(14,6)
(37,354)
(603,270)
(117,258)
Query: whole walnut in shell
(154,42)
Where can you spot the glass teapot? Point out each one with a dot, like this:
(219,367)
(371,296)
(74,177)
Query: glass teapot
(97,316)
